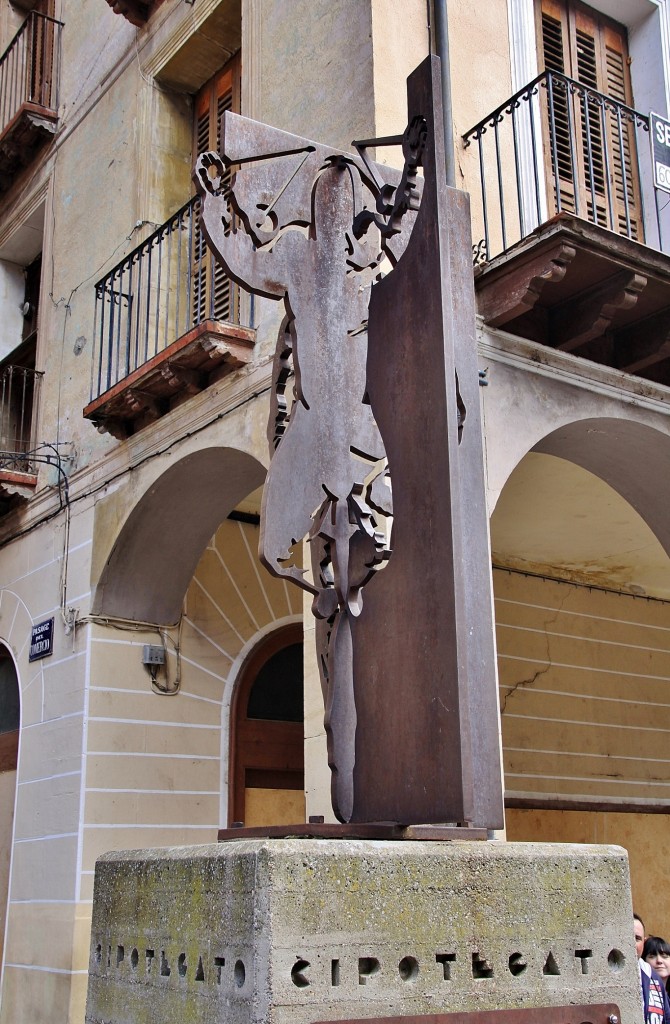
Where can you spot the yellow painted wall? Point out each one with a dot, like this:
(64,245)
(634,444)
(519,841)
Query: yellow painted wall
(585,705)
(584,691)
(157,766)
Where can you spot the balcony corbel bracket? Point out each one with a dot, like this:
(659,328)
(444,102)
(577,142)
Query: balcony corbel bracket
(591,315)
(504,297)
(641,346)
(182,379)
(47,125)
(113,425)
(139,402)
(233,351)
(17,485)
(134,11)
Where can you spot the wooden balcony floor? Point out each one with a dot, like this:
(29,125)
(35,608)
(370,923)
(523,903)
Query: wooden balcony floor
(30,128)
(15,488)
(578,287)
(207,353)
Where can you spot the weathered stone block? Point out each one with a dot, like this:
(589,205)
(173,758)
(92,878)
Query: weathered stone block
(304,930)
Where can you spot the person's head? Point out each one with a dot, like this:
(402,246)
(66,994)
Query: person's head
(638,927)
(656,952)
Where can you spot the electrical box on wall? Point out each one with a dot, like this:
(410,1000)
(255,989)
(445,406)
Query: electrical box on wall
(153,654)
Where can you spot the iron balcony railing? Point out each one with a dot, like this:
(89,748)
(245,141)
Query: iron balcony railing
(559,145)
(29,67)
(19,390)
(162,290)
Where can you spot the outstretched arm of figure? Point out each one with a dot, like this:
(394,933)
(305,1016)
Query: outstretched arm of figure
(249,267)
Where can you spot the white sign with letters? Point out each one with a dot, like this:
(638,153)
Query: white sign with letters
(659,132)
(41,640)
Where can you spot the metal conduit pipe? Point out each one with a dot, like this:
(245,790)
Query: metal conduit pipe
(442,50)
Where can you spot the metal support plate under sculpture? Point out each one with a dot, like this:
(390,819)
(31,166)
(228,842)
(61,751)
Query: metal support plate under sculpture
(378,365)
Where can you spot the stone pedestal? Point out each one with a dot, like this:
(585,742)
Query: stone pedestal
(304,930)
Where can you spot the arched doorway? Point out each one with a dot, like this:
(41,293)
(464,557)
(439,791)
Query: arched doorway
(267,742)
(9,744)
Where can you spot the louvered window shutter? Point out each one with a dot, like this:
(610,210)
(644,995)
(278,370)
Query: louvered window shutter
(560,157)
(590,143)
(213,295)
(41,55)
(621,133)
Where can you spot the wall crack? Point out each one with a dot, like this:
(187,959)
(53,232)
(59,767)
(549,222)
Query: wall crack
(531,680)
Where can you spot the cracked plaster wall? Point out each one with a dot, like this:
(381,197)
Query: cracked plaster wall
(585,717)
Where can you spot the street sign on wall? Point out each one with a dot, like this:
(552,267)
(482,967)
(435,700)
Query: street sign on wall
(659,132)
(41,640)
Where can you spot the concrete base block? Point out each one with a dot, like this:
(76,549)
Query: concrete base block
(304,930)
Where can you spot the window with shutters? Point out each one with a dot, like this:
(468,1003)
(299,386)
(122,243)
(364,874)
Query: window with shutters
(19,385)
(167,317)
(589,141)
(28,89)
(214,295)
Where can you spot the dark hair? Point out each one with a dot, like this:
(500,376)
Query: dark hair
(653,945)
(636,917)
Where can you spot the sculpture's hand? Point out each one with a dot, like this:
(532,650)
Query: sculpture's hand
(414,141)
(208,177)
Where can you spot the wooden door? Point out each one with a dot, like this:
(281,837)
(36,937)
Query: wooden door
(267,734)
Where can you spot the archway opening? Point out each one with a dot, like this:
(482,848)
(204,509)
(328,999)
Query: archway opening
(582,589)
(267,734)
(155,555)
(173,722)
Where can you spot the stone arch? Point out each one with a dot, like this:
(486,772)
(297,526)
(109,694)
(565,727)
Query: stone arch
(155,554)
(633,458)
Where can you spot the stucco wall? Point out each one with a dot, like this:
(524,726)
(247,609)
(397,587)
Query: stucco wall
(12,293)
(43,914)
(583,680)
(157,767)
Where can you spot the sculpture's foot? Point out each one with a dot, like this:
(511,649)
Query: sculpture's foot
(340,720)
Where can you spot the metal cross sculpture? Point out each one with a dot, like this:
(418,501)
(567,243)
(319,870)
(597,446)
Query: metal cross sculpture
(368,391)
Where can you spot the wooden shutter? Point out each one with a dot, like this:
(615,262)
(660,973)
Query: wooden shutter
(626,184)
(38,53)
(213,295)
(556,46)
(590,149)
